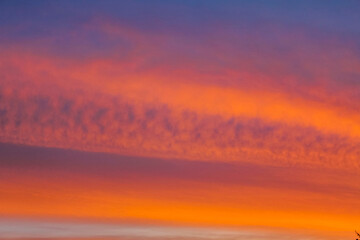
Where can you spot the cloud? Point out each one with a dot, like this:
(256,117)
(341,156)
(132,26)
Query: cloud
(276,97)
(263,105)
(21,229)
(172,120)
(45,182)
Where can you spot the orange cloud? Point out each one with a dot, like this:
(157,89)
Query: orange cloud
(68,184)
(97,106)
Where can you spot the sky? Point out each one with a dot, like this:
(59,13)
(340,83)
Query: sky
(181,120)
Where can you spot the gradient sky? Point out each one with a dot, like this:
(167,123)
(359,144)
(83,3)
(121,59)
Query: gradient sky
(179,119)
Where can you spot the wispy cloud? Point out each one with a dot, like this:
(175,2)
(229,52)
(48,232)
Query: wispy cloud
(20,229)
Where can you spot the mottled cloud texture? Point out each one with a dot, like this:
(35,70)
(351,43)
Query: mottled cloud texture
(126,106)
(234,113)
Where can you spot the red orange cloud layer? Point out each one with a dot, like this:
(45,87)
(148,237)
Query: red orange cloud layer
(70,184)
(263,136)
(128,106)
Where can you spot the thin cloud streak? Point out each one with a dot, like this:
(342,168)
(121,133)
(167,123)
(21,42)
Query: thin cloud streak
(20,229)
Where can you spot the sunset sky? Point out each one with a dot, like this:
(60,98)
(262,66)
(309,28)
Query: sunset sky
(179,119)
